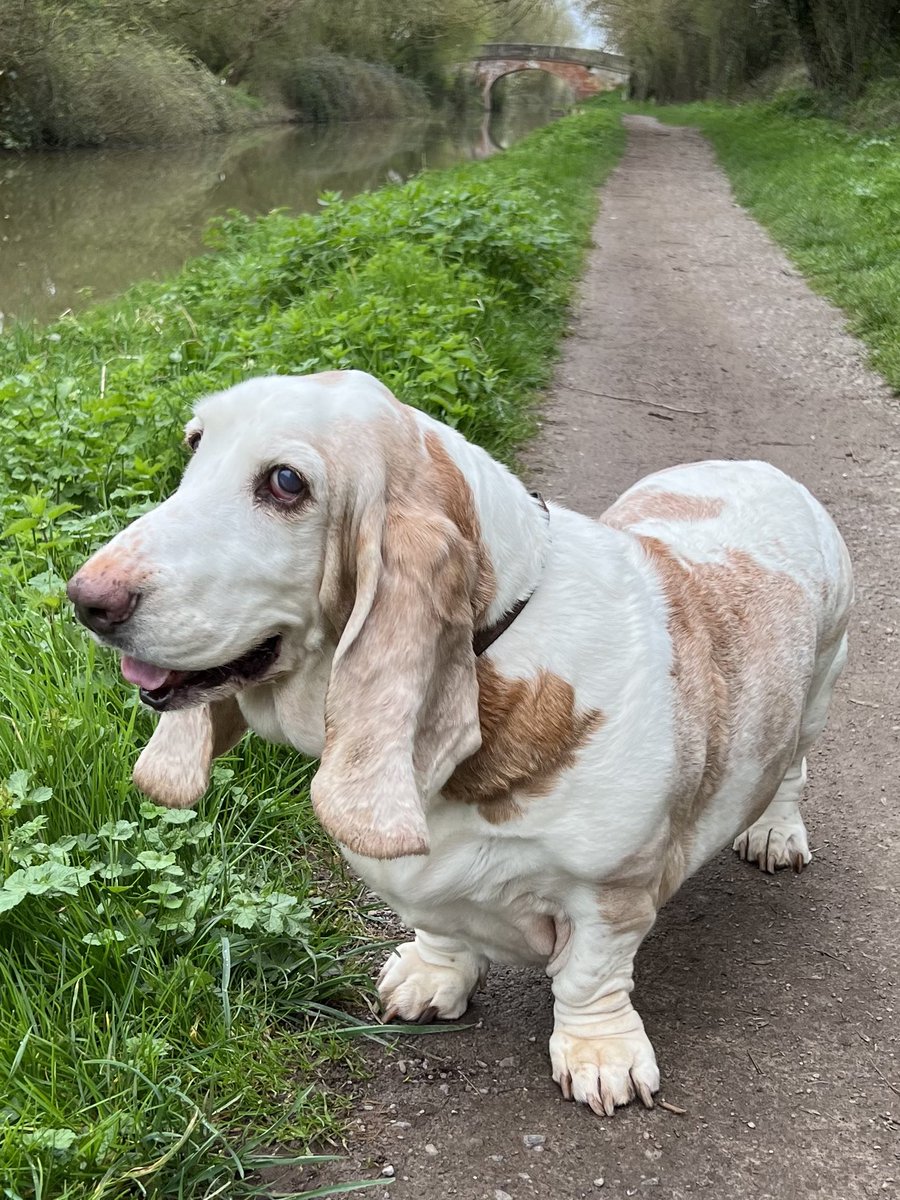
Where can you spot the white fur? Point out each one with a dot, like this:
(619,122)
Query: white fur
(223,576)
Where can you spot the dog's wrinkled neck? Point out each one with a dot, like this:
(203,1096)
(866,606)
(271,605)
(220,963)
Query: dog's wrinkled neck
(486,636)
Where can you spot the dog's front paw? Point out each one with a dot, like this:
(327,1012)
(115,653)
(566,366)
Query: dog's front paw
(414,989)
(605,1072)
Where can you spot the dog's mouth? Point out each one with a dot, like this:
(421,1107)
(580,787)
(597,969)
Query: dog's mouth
(163,689)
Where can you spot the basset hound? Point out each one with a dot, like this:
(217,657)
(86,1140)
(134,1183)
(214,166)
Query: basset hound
(533,726)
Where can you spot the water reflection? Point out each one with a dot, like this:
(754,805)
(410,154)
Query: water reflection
(80,226)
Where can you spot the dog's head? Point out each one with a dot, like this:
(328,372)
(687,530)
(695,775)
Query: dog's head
(317,516)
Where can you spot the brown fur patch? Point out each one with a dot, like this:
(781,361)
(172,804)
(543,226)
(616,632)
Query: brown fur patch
(456,500)
(530,733)
(337,590)
(651,504)
(743,641)
(435,486)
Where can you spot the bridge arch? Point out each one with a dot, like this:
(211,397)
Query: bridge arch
(587,72)
(558,70)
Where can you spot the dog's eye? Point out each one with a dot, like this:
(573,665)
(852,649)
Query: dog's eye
(193,439)
(286,485)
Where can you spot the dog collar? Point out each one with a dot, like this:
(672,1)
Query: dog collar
(486,637)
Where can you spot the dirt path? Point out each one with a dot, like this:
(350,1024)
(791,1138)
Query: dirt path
(772,1003)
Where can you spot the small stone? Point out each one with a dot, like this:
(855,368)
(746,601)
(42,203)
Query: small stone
(430,1148)
(499,1194)
(599,1182)
(401,1066)
(751,1124)
(533,1140)
(507,1062)
(388,1171)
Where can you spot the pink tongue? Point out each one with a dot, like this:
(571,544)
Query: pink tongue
(144,675)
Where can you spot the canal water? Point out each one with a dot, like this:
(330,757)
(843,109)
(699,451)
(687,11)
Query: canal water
(79,226)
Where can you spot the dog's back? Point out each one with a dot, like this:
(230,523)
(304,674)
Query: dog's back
(708,510)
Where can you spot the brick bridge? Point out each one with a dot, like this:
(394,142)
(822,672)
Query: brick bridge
(587,72)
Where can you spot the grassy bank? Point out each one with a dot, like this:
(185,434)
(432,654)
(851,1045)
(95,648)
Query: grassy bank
(829,195)
(166,979)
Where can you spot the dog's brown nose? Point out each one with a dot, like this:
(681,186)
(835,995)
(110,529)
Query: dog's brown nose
(101,603)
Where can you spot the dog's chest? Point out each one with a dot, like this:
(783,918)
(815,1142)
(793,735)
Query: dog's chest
(501,898)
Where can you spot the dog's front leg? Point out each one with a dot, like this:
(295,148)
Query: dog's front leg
(599,1051)
(431,978)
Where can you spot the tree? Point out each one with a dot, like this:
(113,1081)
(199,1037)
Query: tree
(683,49)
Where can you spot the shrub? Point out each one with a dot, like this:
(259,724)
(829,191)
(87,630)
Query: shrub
(878,107)
(322,87)
(77,80)
(801,102)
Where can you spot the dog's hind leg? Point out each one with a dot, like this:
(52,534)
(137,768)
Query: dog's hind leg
(778,838)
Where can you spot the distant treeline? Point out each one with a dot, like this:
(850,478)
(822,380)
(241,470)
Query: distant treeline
(691,49)
(84,72)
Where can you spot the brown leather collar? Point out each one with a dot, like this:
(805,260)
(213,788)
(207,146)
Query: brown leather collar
(486,637)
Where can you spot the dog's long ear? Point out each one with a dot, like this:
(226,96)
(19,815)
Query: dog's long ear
(402,704)
(173,768)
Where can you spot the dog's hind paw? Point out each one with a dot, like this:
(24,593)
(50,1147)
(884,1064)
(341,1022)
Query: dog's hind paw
(772,843)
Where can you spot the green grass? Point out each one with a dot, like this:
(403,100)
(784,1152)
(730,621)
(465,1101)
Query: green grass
(829,195)
(168,982)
